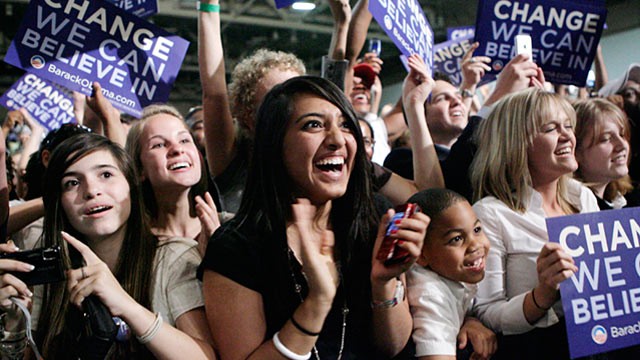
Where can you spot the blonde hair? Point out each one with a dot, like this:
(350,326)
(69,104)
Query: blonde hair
(591,114)
(500,167)
(248,73)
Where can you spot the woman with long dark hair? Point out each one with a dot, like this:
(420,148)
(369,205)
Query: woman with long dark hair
(295,272)
(93,196)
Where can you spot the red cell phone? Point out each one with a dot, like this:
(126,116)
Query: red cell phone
(389,251)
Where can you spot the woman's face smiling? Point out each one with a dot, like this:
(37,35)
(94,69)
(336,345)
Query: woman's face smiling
(551,154)
(169,156)
(319,149)
(604,158)
(95,196)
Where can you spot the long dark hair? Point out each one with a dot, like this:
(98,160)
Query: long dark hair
(59,320)
(268,194)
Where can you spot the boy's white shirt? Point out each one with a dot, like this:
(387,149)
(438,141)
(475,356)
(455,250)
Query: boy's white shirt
(438,307)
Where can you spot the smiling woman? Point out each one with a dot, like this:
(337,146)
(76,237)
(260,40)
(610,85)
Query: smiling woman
(319,173)
(293,274)
(172,174)
(93,212)
(602,151)
(520,180)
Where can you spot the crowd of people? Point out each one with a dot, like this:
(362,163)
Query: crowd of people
(252,227)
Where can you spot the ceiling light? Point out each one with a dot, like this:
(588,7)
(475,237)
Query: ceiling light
(303,6)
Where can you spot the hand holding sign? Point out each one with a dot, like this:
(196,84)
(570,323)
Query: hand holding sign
(554,266)
(418,84)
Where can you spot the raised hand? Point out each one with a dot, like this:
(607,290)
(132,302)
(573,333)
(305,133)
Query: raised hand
(30,121)
(100,105)
(209,219)
(411,233)
(341,10)
(95,278)
(473,68)
(418,84)
(316,251)
(518,74)
(554,266)
(373,60)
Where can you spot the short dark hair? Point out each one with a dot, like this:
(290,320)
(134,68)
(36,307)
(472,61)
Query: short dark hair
(434,201)
(441,76)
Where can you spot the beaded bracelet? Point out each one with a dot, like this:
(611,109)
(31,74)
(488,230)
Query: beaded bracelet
(286,352)
(206,7)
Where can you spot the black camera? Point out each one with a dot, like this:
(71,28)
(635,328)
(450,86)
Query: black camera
(47,264)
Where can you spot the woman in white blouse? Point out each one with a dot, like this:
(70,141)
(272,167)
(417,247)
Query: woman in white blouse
(520,180)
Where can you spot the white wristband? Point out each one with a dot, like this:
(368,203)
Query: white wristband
(286,352)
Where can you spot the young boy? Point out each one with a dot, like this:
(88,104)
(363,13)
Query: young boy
(441,285)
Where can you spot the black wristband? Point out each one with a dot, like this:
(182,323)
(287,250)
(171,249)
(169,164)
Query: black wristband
(533,297)
(302,330)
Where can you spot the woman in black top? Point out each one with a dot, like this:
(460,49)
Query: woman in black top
(294,275)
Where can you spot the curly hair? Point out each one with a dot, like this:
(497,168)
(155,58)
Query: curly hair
(248,73)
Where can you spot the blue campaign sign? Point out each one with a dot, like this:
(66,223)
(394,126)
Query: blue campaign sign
(447,57)
(140,8)
(405,23)
(76,42)
(564,33)
(51,105)
(454,33)
(601,301)
(284,3)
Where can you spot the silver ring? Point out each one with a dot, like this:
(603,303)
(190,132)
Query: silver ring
(84,275)
(472,60)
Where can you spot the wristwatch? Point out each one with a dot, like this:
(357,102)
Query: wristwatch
(465,93)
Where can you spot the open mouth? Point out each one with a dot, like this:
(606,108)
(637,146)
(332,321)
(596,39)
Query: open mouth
(360,98)
(179,165)
(563,151)
(333,164)
(456,113)
(475,264)
(98,209)
(620,159)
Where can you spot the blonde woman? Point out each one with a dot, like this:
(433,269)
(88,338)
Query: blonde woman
(520,180)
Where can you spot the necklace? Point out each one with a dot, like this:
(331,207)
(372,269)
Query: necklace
(298,290)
